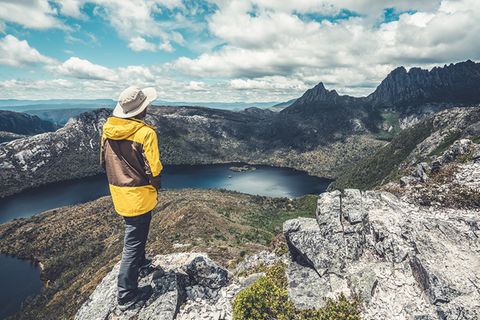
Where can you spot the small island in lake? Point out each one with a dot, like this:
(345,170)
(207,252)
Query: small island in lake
(243,168)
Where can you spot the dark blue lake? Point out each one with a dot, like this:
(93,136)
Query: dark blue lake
(18,280)
(265,181)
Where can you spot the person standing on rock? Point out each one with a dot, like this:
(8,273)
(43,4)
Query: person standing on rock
(129,154)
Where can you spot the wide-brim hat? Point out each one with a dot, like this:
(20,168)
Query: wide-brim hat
(133,100)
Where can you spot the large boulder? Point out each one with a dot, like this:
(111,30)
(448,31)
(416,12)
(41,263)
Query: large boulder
(405,262)
(178,280)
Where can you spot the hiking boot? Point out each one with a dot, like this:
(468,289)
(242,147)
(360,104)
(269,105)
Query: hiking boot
(145,268)
(137,301)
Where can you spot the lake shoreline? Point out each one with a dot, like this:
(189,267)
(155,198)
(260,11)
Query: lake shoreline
(6,195)
(283,183)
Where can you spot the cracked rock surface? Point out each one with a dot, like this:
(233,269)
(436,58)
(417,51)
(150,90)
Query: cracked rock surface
(178,280)
(404,261)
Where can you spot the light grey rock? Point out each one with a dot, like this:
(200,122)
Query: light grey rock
(421,171)
(406,181)
(263,258)
(457,149)
(404,261)
(178,279)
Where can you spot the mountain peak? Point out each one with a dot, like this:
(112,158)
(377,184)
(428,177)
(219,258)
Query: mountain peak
(317,94)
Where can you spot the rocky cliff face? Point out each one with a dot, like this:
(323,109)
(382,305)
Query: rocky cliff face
(405,262)
(412,94)
(455,83)
(68,153)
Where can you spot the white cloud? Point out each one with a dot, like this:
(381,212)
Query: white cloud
(71,8)
(140,44)
(269,83)
(134,20)
(84,69)
(166,46)
(18,53)
(36,14)
(196,86)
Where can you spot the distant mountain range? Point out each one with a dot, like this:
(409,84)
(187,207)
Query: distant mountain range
(49,104)
(58,111)
(403,90)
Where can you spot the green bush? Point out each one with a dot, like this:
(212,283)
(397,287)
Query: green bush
(267,299)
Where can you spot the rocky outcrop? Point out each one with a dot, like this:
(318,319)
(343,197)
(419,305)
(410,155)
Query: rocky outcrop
(185,286)
(9,136)
(405,262)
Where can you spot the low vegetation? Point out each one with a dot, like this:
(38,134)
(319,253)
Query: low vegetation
(267,298)
(383,165)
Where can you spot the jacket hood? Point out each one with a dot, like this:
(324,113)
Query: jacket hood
(118,129)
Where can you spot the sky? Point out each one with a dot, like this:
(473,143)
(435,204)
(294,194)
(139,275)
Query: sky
(224,50)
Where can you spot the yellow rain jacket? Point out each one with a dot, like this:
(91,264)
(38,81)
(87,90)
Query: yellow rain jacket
(129,154)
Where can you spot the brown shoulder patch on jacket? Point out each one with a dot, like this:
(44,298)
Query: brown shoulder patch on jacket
(125,165)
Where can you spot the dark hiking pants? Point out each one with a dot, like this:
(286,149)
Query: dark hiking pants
(136,233)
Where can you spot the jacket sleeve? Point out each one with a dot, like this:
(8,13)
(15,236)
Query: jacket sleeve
(152,156)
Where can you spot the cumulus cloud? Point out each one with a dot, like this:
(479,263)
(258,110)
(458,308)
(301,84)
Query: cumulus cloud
(140,44)
(135,20)
(36,14)
(18,53)
(71,8)
(84,69)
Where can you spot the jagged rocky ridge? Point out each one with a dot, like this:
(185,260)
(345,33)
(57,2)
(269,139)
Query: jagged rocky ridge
(407,91)
(454,83)
(404,261)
